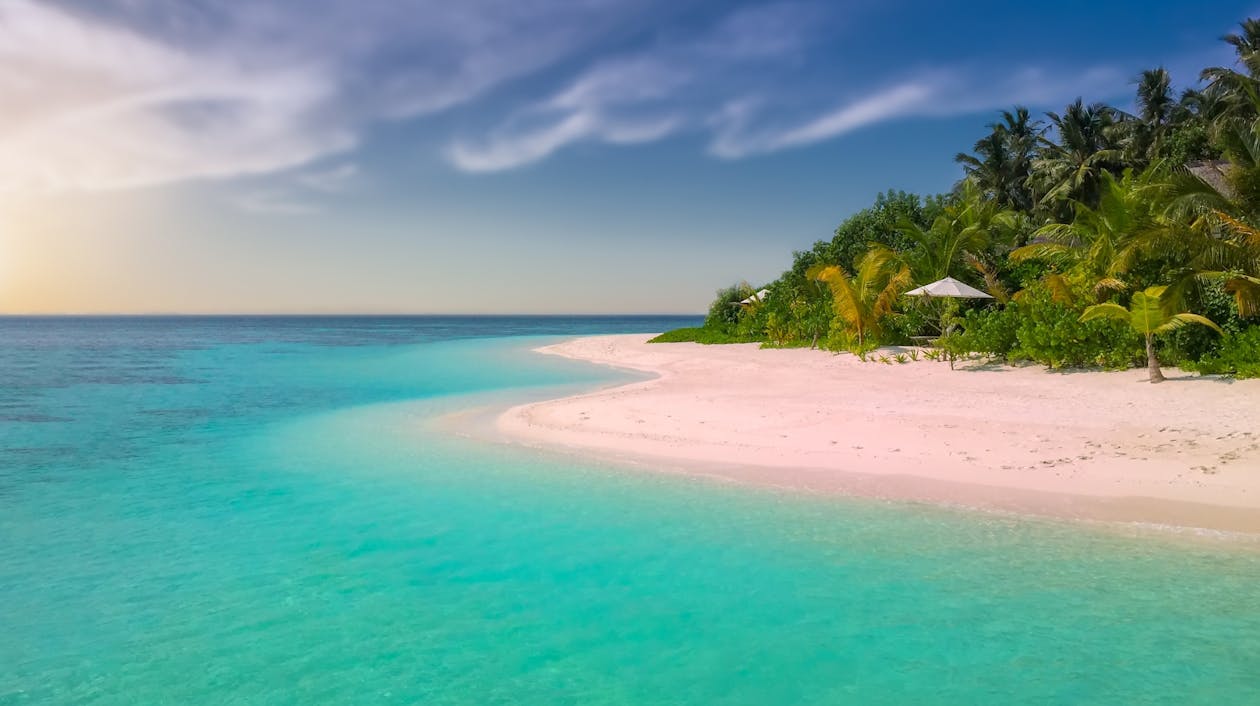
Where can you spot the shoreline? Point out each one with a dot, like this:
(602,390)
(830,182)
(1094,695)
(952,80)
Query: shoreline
(1100,446)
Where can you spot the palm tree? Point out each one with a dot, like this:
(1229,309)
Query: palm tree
(1221,234)
(1002,161)
(1104,242)
(1242,250)
(1239,141)
(1209,104)
(968,226)
(1070,168)
(1144,134)
(1154,97)
(861,302)
(1241,88)
(1149,316)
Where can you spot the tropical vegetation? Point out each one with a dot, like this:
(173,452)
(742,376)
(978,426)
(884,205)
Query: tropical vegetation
(1098,231)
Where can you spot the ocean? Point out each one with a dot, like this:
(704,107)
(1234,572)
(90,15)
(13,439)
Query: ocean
(272,510)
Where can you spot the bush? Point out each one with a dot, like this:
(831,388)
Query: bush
(901,327)
(725,311)
(1192,343)
(1052,333)
(988,331)
(1239,354)
(699,334)
(839,339)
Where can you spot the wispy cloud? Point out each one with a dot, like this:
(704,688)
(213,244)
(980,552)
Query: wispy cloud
(126,93)
(734,138)
(737,86)
(620,102)
(643,96)
(90,106)
(744,128)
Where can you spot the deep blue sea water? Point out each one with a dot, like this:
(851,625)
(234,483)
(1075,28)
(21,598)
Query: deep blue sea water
(256,511)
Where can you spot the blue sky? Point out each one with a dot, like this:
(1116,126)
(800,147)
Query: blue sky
(490,155)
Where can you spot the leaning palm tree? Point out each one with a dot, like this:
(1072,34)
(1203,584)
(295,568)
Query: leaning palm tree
(1148,315)
(862,301)
(1241,89)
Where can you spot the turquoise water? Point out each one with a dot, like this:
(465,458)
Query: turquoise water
(255,511)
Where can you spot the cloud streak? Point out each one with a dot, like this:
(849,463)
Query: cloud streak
(132,93)
(113,94)
(98,107)
(644,96)
(738,86)
(734,140)
(936,93)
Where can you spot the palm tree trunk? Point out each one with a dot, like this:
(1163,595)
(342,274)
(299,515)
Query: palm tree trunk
(1152,363)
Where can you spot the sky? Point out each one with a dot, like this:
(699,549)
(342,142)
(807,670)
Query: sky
(501,156)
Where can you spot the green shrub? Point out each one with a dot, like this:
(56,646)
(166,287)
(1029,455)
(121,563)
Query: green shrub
(988,331)
(1239,354)
(1191,343)
(901,327)
(1051,333)
(699,334)
(839,339)
(725,311)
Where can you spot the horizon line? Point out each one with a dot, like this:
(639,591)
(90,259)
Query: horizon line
(51,315)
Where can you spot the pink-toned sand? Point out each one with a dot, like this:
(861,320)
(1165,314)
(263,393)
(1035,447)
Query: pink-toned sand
(1104,445)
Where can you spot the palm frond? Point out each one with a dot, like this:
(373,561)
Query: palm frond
(1040,251)
(1246,291)
(1060,288)
(1176,321)
(1109,285)
(1108,310)
(1247,233)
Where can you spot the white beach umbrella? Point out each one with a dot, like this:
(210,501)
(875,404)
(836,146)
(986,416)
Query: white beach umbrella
(948,288)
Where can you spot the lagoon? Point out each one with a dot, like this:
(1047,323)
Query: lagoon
(261,510)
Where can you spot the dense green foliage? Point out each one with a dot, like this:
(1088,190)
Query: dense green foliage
(1066,221)
(1238,354)
(725,313)
(1039,328)
(699,334)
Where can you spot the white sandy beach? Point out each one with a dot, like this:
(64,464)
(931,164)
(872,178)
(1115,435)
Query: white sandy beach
(1102,445)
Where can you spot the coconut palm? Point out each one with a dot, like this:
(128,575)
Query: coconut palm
(1208,104)
(1103,242)
(862,301)
(1221,236)
(969,225)
(1240,88)
(1069,169)
(1154,97)
(1229,252)
(1142,136)
(1002,160)
(1148,315)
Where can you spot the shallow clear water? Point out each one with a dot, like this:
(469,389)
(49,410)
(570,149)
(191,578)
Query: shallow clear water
(255,511)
